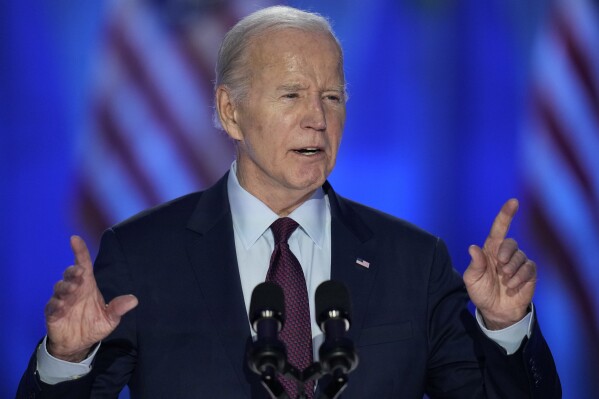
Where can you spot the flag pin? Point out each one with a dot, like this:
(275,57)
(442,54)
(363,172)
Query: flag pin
(362,262)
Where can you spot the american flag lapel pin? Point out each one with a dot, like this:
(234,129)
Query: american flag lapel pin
(362,262)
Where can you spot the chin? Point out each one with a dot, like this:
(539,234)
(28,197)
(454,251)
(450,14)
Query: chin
(309,178)
(310,184)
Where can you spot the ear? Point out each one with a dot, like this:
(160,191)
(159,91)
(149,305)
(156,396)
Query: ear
(227,113)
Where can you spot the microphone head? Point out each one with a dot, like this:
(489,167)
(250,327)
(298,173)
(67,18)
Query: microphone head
(267,301)
(332,302)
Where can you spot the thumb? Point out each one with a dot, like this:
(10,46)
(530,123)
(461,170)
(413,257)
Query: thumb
(119,306)
(478,264)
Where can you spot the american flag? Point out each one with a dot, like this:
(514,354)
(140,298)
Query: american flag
(562,152)
(149,136)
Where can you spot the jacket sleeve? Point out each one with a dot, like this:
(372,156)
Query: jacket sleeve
(530,371)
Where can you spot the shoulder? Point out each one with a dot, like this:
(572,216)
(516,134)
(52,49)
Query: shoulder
(169,214)
(158,233)
(177,213)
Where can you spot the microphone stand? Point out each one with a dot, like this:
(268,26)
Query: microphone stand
(274,387)
(334,388)
(315,371)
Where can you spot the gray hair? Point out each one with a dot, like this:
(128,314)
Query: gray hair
(232,62)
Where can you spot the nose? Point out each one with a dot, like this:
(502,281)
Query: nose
(314,117)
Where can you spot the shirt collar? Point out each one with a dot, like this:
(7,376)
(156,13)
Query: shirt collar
(251,217)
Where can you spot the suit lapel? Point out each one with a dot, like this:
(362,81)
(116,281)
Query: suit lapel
(211,250)
(351,242)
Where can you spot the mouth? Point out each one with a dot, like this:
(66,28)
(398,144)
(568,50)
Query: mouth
(309,151)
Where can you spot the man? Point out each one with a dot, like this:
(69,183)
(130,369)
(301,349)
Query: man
(167,311)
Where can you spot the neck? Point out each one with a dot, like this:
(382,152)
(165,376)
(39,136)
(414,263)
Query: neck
(283,207)
(281,201)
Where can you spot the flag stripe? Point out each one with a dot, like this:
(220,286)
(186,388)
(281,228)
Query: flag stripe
(111,132)
(581,62)
(556,80)
(110,182)
(197,56)
(139,75)
(92,214)
(158,43)
(568,268)
(556,131)
(551,180)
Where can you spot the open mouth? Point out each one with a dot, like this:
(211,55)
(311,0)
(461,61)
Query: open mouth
(308,151)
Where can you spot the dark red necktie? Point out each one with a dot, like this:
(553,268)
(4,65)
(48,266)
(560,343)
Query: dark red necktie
(286,271)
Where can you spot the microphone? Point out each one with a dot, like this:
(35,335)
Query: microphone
(267,355)
(333,316)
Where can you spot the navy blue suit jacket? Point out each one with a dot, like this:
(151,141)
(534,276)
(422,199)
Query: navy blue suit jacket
(188,336)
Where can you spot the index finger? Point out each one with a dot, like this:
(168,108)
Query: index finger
(81,252)
(501,224)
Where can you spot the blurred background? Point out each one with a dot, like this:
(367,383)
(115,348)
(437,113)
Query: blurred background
(456,106)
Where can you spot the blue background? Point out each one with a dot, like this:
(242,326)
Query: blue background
(438,98)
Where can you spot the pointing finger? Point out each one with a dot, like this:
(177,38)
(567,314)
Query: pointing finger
(501,224)
(81,252)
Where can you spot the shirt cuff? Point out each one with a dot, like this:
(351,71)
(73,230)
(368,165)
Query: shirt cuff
(510,337)
(52,370)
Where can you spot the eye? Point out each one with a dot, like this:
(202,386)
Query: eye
(290,95)
(333,98)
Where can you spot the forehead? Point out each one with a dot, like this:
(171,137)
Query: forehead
(294,50)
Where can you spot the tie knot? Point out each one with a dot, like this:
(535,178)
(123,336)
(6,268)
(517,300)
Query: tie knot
(282,229)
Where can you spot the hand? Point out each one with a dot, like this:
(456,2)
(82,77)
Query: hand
(500,278)
(76,315)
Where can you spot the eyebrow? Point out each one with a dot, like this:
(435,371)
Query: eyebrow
(340,88)
(291,87)
(297,87)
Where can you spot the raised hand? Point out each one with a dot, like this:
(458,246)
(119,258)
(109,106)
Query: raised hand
(76,315)
(500,278)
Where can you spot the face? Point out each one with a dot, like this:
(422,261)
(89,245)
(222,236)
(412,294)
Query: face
(289,127)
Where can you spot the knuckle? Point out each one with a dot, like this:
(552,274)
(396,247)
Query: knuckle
(515,282)
(532,266)
(58,286)
(69,272)
(511,244)
(521,257)
(523,254)
(52,306)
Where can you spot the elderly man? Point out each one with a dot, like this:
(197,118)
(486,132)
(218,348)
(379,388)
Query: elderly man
(167,310)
